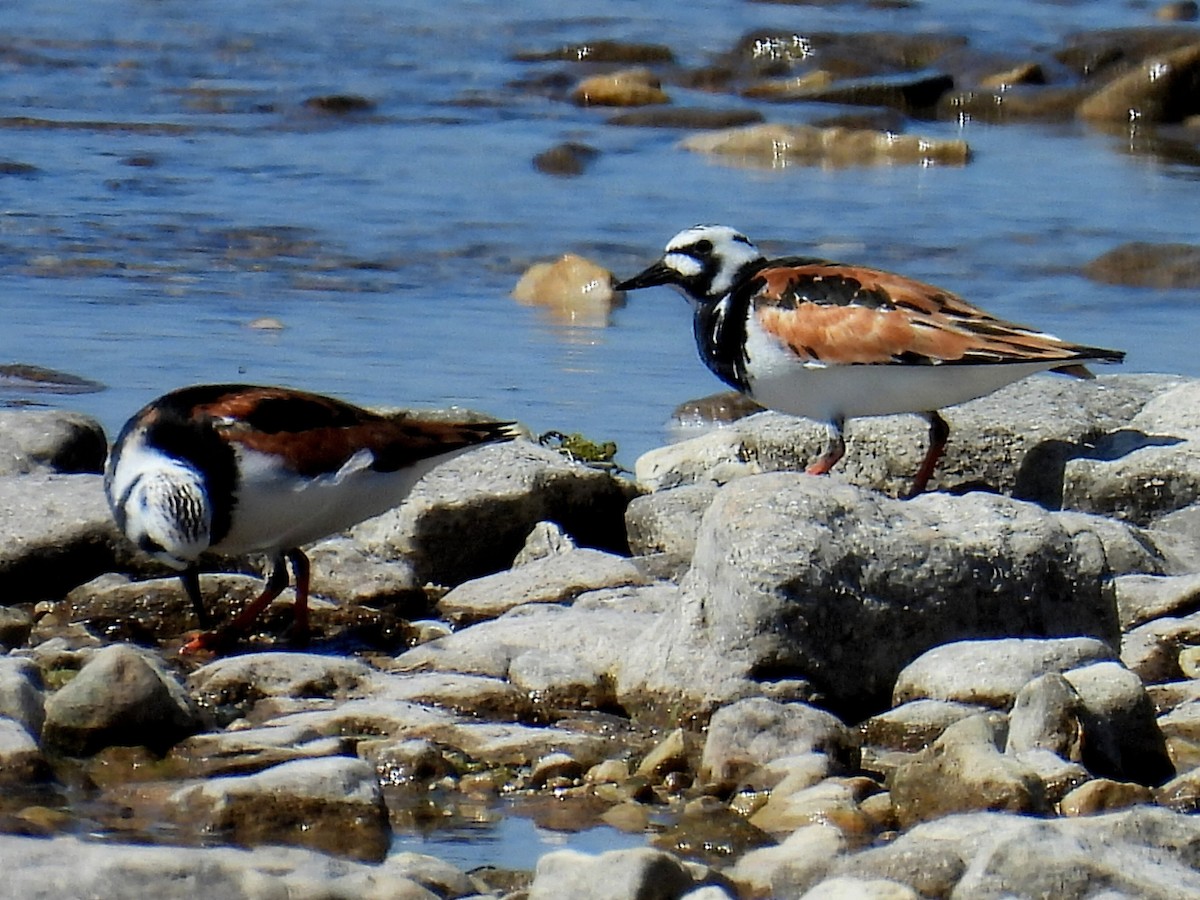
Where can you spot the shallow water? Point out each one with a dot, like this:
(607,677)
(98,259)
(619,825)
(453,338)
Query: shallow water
(181,189)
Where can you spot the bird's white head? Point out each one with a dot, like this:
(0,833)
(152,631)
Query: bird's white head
(160,503)
(704,261)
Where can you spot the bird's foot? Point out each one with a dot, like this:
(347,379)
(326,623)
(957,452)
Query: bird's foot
(216,640)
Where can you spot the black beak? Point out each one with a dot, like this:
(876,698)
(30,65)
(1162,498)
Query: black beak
(655,275)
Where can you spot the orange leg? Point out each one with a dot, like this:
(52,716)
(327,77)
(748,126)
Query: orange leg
(835,449)
(219,637)
(939,433)
(300,572)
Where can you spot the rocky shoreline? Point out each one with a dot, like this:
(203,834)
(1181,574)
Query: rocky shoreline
(794,686)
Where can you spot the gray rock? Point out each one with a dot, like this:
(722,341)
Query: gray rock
(343,570)
(122,696)
(708,892)
(768,144)
(34,870)
(15,626)
(1181,793)
(799,861)
(992,672)
(914,726)
(499,744)
(555,767)
(640,874)
(242,681)
(554,579)
(1140,852)
(964,770)
(21,696)
(754,731)
(1121,738)
(1103,795)
(1142,598)
(558,681)
(668,521)
(1059,776)
(244,751)
(1143,264)
(44,440)
(928,867)
(333,804)
(157,609)
(1181,728)
(381,717)
(603,636)
(833,800)
(1160,89)
(1146,470)
(1174,694)
(438,876)
(669,755)
(55,533)
(799,576)
(1125,548)
(545,540)
(405,761)
(21,762)
(1176,536)
(1017,441)
(471,516)
(848,888)
(472,695)
(1151,651)
(1047,715)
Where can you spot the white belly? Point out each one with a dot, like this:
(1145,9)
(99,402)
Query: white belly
(826,393)
(277,510)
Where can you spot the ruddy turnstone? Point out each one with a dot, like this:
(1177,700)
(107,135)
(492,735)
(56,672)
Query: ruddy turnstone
(237,469)
(830,342)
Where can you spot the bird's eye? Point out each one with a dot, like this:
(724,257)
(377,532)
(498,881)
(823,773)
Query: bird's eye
(703,248)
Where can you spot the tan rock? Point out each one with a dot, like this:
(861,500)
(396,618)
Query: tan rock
(1162,89)
(628,87)
(962,771)
(777,146)
(1104,795)
(671,755)
(571,289)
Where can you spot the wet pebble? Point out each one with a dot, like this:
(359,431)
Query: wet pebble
(565,160)
(629,87)
(777,146)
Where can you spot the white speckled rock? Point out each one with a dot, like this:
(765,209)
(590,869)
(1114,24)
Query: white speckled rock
(1017,441)
(34,870)
(333,803)
(559,578)
(755,731)
(616,875)
(55,533)
(470,516)
(796,576)
(1141,852)
(799,861)
(21,696)
(1148,470)
(992,672)
(48,440)
(123,695)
